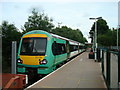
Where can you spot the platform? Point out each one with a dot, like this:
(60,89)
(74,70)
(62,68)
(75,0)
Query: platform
(80,72)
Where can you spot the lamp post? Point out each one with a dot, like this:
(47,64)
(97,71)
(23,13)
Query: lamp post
(117,37)
(95,35)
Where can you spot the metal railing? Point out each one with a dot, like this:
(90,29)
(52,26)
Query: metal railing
(110,59)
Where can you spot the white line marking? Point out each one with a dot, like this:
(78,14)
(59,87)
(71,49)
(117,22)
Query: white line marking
(103,81)
(51,73)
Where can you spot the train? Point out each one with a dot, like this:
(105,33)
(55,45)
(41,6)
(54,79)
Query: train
(40,52)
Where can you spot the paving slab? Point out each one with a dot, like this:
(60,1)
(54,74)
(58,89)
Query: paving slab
(80,72)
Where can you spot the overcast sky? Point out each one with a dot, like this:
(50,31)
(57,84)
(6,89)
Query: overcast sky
(73,13)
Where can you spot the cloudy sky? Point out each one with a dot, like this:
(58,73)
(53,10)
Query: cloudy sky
(73,13)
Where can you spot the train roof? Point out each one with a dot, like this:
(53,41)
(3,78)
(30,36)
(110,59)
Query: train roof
(55,36)
(60,37)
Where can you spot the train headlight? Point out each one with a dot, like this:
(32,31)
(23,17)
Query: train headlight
(19,61)
(44,61)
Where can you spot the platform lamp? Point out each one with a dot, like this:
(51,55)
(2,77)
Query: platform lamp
(95,35)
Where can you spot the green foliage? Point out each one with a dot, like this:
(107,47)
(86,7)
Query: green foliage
(70,33)
(9,33)
(38,21)
(108,39)
(102,27)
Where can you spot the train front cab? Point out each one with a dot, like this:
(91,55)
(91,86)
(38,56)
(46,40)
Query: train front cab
(35,53)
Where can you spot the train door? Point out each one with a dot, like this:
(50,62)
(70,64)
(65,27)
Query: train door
(68,49)
(54,48)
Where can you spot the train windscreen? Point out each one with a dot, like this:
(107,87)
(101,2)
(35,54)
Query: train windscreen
(33,46)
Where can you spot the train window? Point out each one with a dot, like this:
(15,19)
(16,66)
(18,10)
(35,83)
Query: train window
(58,48)
(67,48)
(73,48)
(39,45)
(33,46)
(54,48)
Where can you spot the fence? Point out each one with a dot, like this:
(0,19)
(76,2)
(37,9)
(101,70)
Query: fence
(110,66)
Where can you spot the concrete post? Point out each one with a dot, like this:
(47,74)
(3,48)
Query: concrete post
(13,63)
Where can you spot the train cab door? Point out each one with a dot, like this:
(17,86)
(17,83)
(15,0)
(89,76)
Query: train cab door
(54,51)
(68,49)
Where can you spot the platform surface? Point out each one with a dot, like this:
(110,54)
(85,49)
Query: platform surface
(80,72)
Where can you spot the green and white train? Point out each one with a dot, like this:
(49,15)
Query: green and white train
(41,52)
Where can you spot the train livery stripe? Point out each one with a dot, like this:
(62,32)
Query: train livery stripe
(34,35)
(31,60)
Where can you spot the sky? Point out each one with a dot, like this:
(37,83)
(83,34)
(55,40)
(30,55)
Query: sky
(72,13)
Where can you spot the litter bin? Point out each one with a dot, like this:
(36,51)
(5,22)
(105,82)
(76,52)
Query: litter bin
(91,55)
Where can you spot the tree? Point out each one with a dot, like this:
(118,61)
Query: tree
(9,33)
(108,39)
(102,26)
(38,21)
(104,40)
(102,30)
